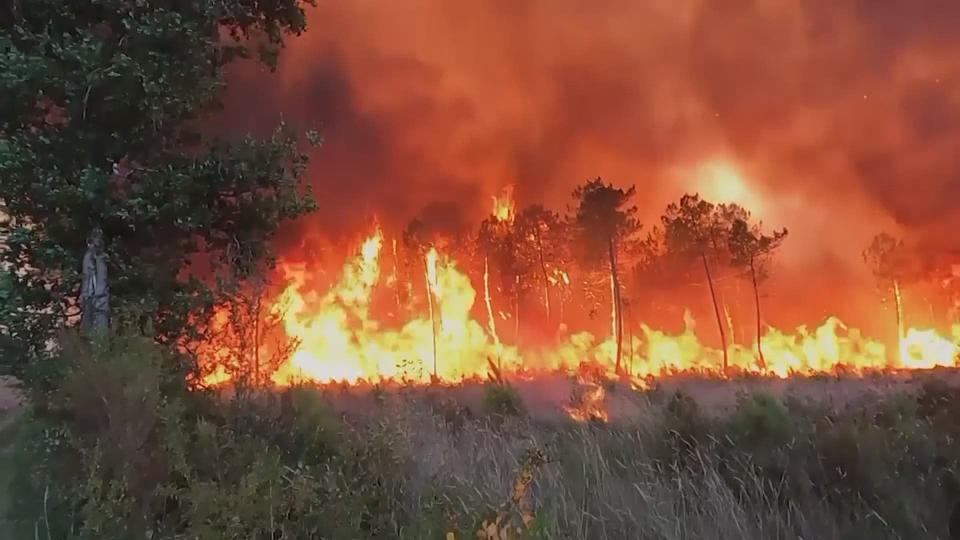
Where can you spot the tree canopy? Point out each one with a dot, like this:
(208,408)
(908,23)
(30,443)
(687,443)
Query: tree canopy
(101,110)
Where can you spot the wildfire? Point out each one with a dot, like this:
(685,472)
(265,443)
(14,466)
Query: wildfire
(587,402)
(504,208)
(338,338)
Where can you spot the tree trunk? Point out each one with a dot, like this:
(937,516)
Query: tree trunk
(543,270)
(396,280)
(95,289)
(516,311)
(433,322)
(618,317)
(756,303)
(629,328)
(256,338)
(488,302)
(716,310)
(898,300)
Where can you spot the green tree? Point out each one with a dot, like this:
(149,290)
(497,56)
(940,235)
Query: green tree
(752,250)
(605,223)
(100,147)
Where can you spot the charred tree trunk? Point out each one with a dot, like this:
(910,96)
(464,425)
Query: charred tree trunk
(716,310)
(618,311)
(95,289)
(756,303)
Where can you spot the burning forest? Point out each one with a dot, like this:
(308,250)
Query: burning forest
(481,258)
(508,300)
(496,269)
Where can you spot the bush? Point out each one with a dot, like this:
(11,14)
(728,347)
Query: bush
(111,456)
(761,419)
(501,399)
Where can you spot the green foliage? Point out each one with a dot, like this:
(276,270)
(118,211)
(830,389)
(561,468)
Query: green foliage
(761,419)
(316,430)
(99,107)
(110,455)
(126,460)
(502,399)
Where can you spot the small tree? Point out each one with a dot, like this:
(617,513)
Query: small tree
(500,242)
(893,264)
(605,222)
(246,340)
(752,250)
(538,230)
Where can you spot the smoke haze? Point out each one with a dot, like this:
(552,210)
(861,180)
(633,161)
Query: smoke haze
(840,118)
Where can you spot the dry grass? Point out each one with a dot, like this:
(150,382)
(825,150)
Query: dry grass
(620,480)
(828,458)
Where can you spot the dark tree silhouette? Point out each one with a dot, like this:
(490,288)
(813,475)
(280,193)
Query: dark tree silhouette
(540,233)
(894,265)
(605,221)
(500,244)
(751,249)
(696,230)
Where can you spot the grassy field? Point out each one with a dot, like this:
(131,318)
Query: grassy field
(826,458)
(691,458)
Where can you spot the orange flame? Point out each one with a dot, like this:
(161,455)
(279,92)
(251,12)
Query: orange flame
(338,339)
(588,402)
(504,208)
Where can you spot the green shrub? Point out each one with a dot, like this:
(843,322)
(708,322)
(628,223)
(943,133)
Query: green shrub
(502,399)
(761,419)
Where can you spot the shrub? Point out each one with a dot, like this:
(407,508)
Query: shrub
(502,399)
(761,419)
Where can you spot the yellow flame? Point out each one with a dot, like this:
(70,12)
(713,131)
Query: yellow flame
(339,339)
(491,321)
(503,205)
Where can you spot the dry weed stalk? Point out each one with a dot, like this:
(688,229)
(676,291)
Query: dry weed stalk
(519,505)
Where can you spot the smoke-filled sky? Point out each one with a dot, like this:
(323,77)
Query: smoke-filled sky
(840,118)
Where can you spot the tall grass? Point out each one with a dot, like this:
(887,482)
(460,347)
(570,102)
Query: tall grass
(124,450)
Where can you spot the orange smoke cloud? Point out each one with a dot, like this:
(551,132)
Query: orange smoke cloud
(840,118)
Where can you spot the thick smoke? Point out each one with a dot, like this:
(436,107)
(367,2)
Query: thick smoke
(841,116)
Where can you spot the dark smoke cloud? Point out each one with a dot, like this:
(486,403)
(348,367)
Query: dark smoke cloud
(842,115)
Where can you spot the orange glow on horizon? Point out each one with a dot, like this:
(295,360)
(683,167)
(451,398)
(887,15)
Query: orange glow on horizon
(723,182)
